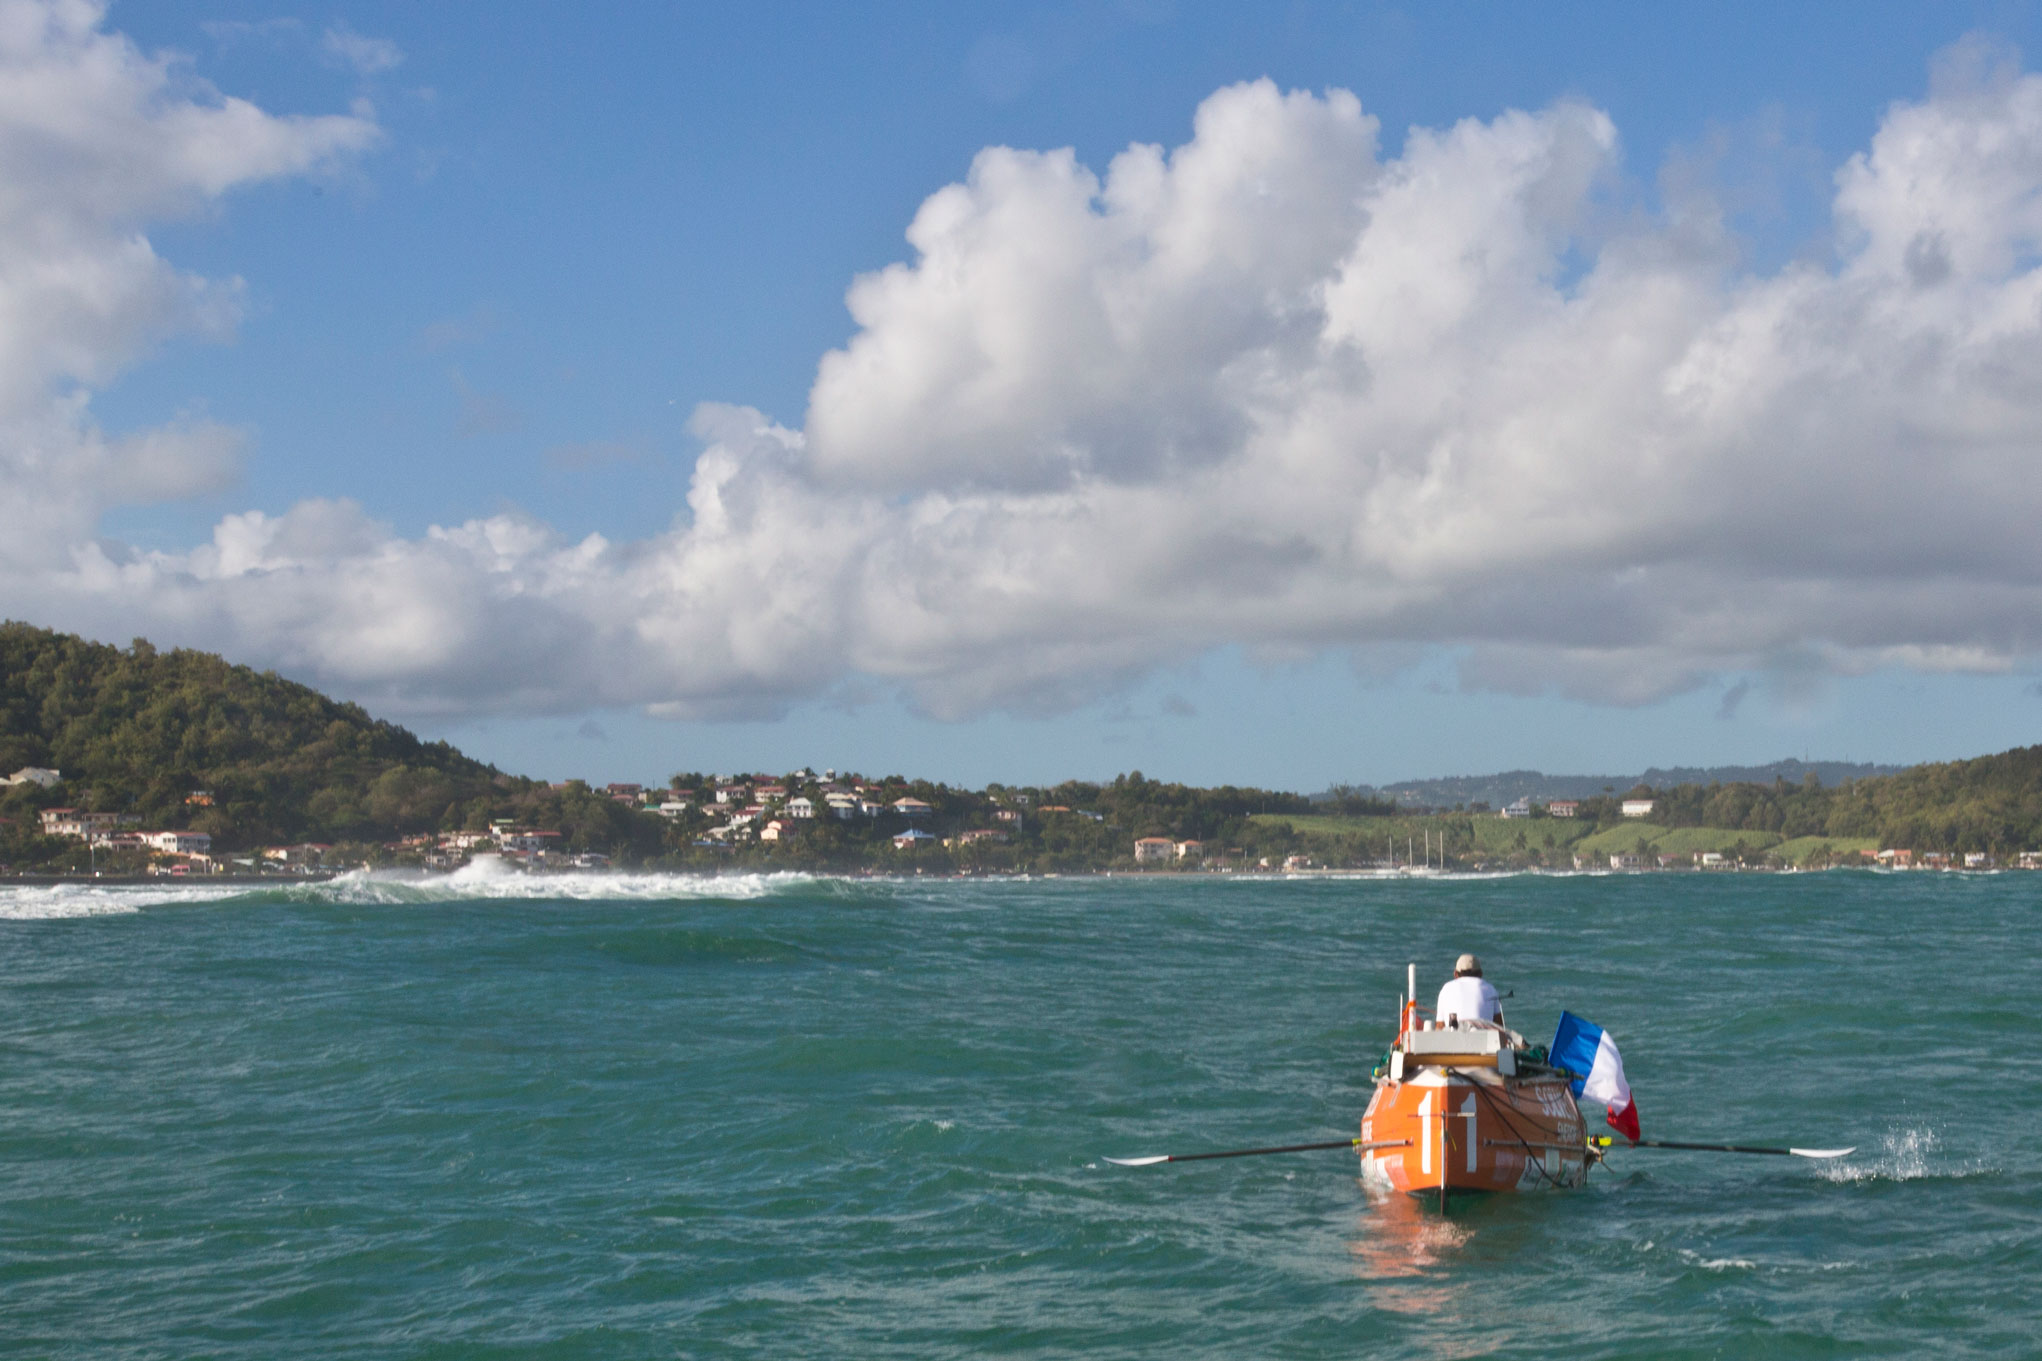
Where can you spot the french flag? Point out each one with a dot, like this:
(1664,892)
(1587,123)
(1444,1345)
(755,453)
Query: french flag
(1586,1050)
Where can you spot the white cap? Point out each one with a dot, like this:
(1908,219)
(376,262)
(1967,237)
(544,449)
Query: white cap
(1467,964)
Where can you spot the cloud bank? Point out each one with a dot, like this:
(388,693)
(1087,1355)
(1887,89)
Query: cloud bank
(1272,388)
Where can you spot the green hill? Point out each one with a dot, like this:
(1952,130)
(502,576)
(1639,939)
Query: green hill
(136,731)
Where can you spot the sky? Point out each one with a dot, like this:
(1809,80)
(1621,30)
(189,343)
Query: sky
(1292,395)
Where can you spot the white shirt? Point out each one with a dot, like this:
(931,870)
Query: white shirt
(1471,999)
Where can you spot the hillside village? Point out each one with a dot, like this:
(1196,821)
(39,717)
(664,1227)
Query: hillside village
(135,761)
(847,823)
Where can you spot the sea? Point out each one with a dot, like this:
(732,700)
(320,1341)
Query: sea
(616,1116)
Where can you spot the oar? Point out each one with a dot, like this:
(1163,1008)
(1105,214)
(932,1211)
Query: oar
(1604,1141)
(1361,1144)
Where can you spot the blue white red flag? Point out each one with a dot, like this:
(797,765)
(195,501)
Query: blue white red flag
(1586,1050)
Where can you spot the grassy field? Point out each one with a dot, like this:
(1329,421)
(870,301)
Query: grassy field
(1803,848)
(1673,840)
(1465,834)
(1475,836)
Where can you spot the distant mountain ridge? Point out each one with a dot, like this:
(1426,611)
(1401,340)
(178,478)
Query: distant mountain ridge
(1510,785)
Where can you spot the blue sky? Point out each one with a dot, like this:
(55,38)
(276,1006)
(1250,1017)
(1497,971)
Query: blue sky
(529,242)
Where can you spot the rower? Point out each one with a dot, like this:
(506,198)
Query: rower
(1469,995)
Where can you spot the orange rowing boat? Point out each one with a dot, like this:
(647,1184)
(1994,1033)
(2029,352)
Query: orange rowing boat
(1465,1106)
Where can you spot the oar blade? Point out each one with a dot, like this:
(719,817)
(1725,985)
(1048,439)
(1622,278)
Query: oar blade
(1140,1162)
(1821,1152)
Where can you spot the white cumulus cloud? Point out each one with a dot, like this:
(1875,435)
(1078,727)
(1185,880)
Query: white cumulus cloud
(97,139)
(1272,388)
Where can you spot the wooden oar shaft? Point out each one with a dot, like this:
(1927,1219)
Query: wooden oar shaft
(1361,1145)
(1282,1148)
(1711,1148)
(1257,1152)
(1604,1141)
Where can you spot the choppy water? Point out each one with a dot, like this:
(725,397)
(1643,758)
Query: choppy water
(668,1117)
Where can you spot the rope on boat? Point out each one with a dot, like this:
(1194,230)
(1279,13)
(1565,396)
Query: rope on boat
(1498,1111)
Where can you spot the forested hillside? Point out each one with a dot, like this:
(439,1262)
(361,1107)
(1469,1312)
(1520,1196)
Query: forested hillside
(136,730)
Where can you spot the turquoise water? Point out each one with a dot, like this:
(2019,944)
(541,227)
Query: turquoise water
(815,1118)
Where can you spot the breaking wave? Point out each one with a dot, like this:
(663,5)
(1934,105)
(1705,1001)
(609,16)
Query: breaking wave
(484,880)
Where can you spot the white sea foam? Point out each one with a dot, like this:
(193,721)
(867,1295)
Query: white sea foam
(52,902)
(1717,1263)
(497,881)
(1906,1153)
(482,880)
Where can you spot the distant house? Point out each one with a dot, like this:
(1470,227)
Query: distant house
(1520,808)
(1639,808)
(778,830)
(72,822)
(1297,862)
(911,838)
(843,807)
(1563,808)
(1190,850)
(35,775)
(624,791)
(199,798)
(673,808)
(912,808)
(978,834)
(1010,816)
(1977,860)
(1154,848)
(800,808)
(765,792)
(178,843)
(1626,860)
(530,843)
(1709,860)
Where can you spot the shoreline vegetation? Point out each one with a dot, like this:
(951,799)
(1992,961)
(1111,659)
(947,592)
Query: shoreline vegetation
(135,762)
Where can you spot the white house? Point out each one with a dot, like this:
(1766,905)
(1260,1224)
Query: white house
(1154,848)
(178,843)
(800,808)
(1625,860)
(1563,808)
(912,837)
(1520,809)
(912,808)
(1638,808)
(1190,850)
(36,775)
(72,822)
